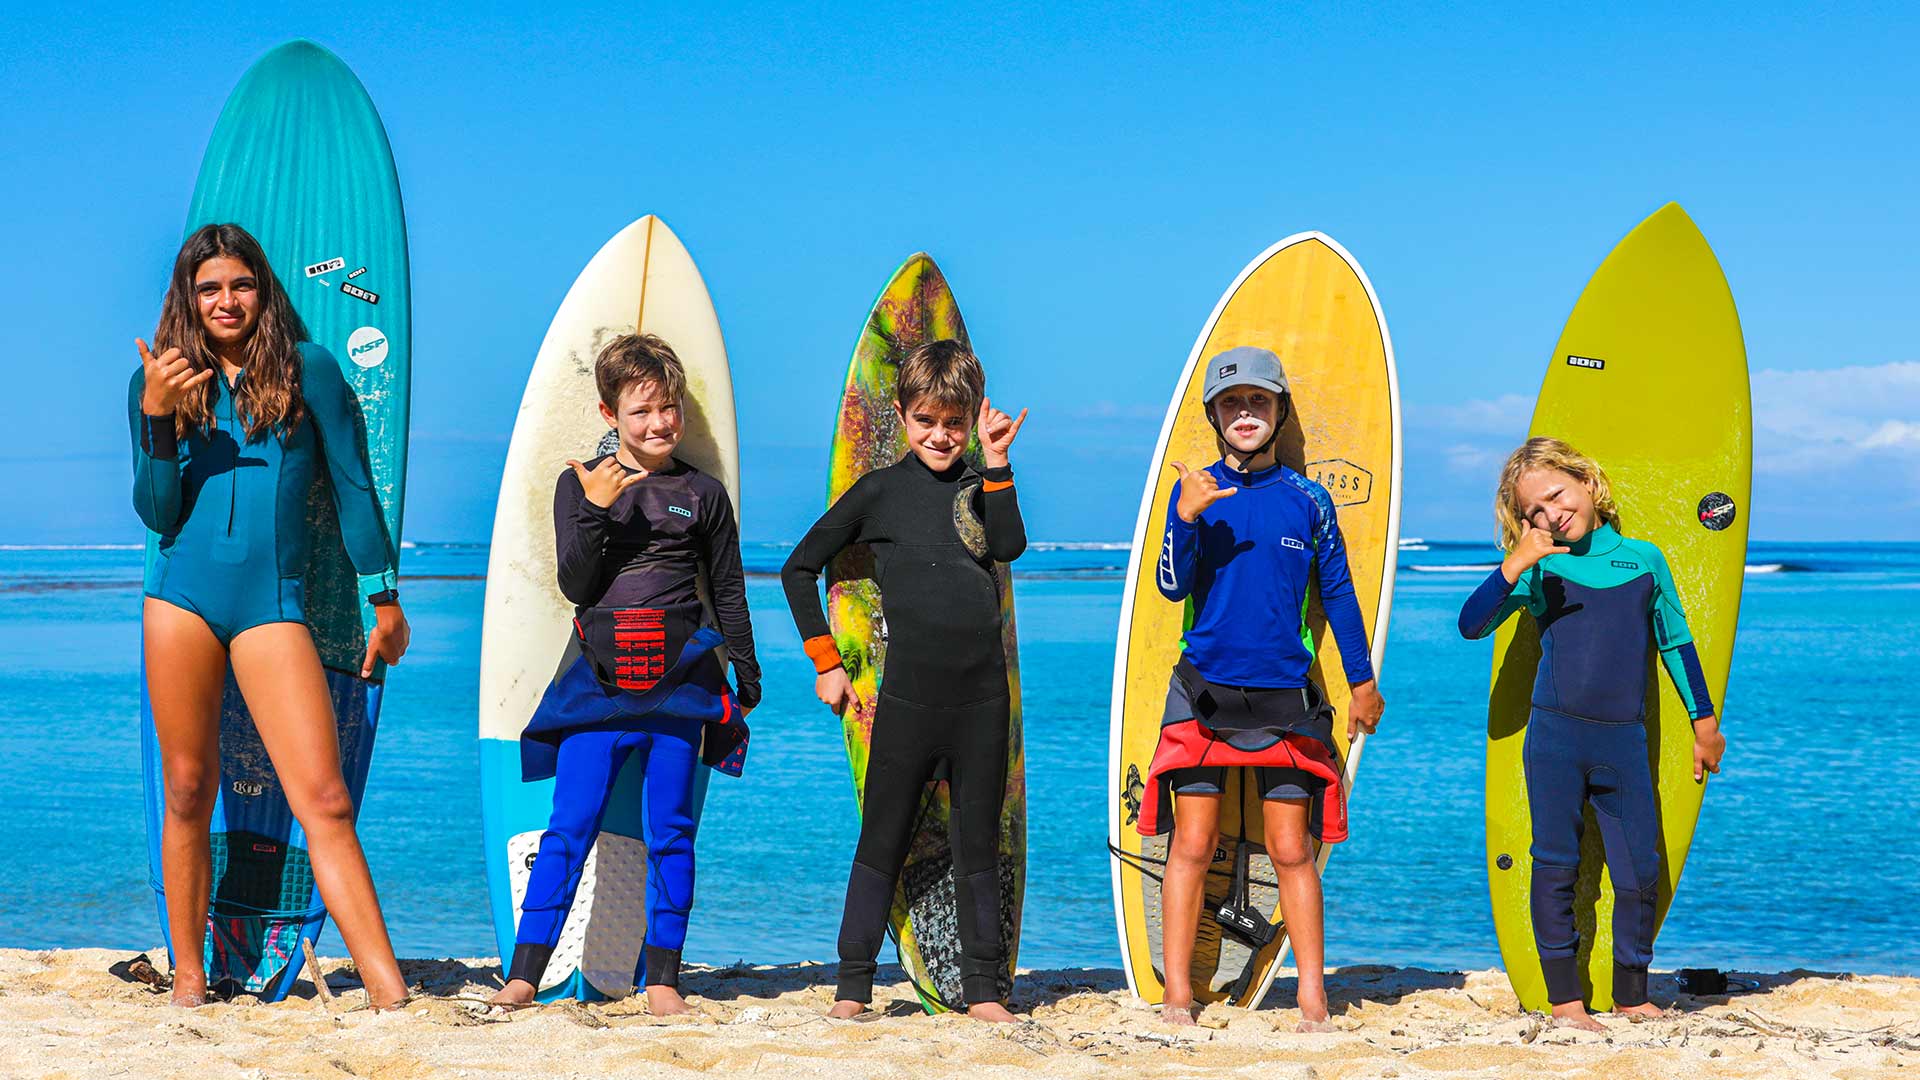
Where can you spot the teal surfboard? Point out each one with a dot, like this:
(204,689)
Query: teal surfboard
(300,159)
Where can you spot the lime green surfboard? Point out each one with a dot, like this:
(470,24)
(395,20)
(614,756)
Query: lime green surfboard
(1650,379)
(915,307)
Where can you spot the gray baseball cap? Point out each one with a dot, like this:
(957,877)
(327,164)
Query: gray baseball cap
(1245,365)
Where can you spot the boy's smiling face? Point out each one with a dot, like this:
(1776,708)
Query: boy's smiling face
(1245,416)
(649,424)
(937,433)
(1556,501)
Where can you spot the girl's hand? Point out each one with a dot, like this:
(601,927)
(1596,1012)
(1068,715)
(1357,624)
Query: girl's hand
(1709,746)
(997,430)
(1533,545)
(390,638)
(169,377)
(836,691)
(606,482)
(1363,711)
(1198,490)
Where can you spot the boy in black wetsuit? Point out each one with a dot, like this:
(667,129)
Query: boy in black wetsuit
(936,528)
(643,673)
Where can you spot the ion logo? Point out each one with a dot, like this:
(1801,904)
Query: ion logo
(327,267)
(1586,362)
(681,510)
(367,346)
(1717,511)
(1227,369)
(1290,542)
(248,787)
(1624,565)
(1349,484)
(359,293)
(356,273)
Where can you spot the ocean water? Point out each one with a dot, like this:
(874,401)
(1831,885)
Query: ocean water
(1806,856)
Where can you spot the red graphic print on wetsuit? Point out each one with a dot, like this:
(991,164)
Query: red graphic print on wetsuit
(639,647)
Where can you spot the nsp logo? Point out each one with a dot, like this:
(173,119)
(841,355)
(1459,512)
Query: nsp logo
(327,267)
(367,347)
(1586,362)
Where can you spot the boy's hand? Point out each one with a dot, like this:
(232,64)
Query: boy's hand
(1364,709)
(169,377)
(1708,747)
(1198,490)
(997,430)
(836,691)
(1533,545)
(606,482)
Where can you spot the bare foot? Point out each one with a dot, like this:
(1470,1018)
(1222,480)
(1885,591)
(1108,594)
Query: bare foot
(846,1010)
(1574,1014)
(666,1001)
(1308,1026)
(189,989)
(992,1012)
(1177,1015)
(1313,1013)
(516,994)
(1646,1010)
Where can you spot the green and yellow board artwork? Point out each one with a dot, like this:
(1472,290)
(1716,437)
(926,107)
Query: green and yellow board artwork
(915,307)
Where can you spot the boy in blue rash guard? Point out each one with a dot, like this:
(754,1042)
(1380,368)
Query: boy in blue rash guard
(1600,599)
(642,674)
(1246,538)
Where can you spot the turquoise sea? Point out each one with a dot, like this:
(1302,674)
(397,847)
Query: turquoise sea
(1807,853)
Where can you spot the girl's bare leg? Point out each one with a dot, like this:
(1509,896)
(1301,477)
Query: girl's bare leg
(1196,829)
(1300,903)
(186,672)
(280,676)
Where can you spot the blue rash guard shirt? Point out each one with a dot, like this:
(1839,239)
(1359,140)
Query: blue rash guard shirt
(1247,564)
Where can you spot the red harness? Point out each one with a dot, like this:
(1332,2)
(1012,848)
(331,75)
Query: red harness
(1188,744)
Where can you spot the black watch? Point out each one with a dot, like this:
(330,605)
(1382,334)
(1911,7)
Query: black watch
(384,596)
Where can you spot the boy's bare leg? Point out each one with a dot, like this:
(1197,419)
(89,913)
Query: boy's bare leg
(1574,1014)
(1301,906)
(666,1001)
(1196,829)
(516,992)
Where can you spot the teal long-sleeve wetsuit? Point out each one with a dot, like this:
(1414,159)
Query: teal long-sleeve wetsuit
(231,511)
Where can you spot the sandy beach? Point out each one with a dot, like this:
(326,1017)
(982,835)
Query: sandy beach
(64,1015)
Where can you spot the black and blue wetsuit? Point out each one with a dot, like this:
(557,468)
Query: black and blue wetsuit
(1598,608)
(642,674)
(231,511)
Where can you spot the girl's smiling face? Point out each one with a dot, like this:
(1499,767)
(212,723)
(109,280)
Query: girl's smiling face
(1555,501)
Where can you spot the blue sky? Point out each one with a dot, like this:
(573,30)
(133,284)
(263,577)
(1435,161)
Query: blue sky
(1090,178)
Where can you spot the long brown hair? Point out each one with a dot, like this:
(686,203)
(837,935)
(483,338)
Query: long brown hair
(268,399)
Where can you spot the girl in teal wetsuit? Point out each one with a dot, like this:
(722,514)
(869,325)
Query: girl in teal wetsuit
(231,412)
(1600,600)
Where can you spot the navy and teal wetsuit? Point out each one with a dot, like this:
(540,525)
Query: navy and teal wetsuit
(231,511)
(1598,607)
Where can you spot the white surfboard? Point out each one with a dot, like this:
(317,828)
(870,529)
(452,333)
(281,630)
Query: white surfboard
(642,280)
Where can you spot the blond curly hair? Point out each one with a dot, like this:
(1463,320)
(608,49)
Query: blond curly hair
(1546,452)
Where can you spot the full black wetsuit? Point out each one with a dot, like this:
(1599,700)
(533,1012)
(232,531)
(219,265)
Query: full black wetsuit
(943,699)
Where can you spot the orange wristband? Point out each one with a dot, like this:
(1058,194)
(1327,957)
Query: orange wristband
(825,654)
(995,485)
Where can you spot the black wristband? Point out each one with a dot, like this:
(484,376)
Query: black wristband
(384,596)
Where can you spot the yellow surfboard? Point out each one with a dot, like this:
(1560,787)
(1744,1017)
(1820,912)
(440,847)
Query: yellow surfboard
(1306,299)
(1649,379)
